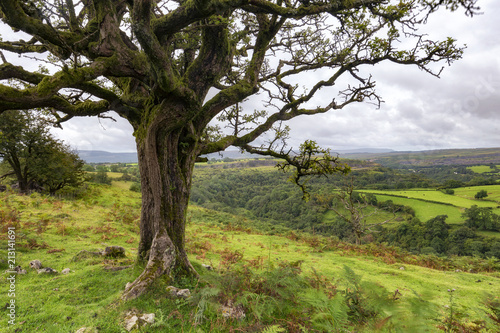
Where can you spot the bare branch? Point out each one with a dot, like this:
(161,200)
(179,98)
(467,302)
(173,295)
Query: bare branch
(354,204)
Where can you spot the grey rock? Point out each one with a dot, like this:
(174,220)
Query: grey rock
(134,320)
(36,264)
(179,293)
(113,251)
(19,270)
(233,311)
(47,270)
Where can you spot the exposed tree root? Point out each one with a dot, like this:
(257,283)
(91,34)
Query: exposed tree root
(161,262)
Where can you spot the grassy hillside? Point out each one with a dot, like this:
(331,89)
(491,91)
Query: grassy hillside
(429,203)
(287,282)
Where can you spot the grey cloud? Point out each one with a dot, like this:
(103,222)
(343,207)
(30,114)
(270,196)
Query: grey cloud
(98,134)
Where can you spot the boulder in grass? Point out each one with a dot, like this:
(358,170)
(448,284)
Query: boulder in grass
(178,293)
(47,270)
(135,321)
(36,264)
(19,270)
(232,311)
(113,252)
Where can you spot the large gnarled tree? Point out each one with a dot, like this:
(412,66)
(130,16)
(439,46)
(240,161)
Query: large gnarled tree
(173,67)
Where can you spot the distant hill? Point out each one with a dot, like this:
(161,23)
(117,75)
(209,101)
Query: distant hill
(99,156)
(476,156)
(237,154)
(364,151)
(385,157)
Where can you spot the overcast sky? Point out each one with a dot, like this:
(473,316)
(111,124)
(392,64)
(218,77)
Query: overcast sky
(459,110)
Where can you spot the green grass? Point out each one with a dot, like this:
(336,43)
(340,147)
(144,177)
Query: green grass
(493,198)
(429,203)
(89,295)
(427,210)
(124,185)
(114,174)
(481,168)
(459,200)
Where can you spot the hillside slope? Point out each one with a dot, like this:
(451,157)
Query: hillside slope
(392,287)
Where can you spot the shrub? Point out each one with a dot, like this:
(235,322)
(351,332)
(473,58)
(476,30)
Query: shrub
(100,177)
(481,194)
(135,187)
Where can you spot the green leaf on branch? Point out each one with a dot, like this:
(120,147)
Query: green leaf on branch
(311,161)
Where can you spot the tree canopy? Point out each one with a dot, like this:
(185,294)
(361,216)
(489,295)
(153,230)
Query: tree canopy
(125,55)
(34,157)
(181,72)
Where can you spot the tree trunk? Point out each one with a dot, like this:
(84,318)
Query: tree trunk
(19,171)
(166,161)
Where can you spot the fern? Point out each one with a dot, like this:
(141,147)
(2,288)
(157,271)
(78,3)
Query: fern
(260,305)
(329,314)
(274,329)
(161,320)
(206,294)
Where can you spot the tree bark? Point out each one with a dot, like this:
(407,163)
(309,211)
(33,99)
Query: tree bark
(166,156)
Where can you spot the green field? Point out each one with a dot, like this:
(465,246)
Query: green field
(469,192)
(464,197)
(426,210)
(482,169)
(429,203)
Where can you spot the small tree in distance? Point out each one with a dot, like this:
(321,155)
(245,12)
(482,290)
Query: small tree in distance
(173,68)
(481,194)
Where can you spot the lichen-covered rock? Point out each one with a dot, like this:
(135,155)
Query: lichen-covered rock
(148,318)
(114,252)
(232,311)
(178,293)
(131,322)
(19,270)
(47,270)
(36,264)
(134,320)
